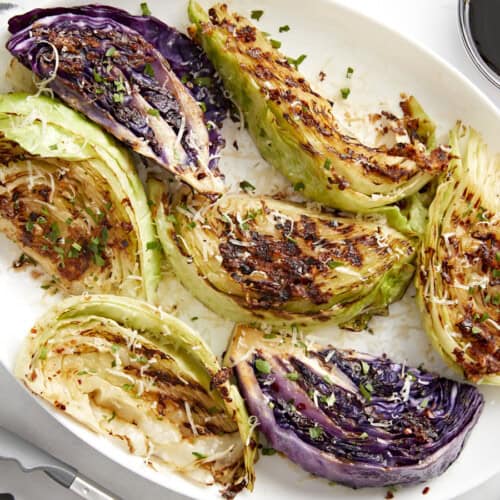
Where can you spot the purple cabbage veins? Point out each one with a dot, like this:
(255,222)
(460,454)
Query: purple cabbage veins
(143,81)
(350,417)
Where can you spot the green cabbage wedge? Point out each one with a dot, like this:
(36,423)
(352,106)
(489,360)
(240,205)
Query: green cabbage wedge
(458,281)
(295,130)
(126,369)
(71,198)
(256,259)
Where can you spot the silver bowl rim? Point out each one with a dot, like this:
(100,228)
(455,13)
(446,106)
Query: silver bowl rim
(470,46)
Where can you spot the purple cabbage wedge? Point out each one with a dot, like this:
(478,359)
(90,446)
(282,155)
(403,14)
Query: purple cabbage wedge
(350,417)
(143,81)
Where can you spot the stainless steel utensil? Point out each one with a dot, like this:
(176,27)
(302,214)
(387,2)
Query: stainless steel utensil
(31,458)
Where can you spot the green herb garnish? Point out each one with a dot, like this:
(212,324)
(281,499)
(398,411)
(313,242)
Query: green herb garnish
(268,451)
(345,92)
(203,81)
(315,432)
(365,391)
(153,245)
(247,186)
(332,264)
(145,10)
(256,14)
(262,366)
(296,62)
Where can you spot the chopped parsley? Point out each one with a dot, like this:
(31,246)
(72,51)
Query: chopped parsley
(97,217)
(43,353)
(97,77)
(299,186)
(153,112)
(153,245)
(149,71)
(203,81)
(111,52)
(112,417)
(54,232)
(247,186)
(276,44)
(496,273)
(53,147)
(128,387)
(268,451)
(327,164)
(284,28)
(171,218)
(349,72)
(476,330)
(365,367)
(203,106)
(119,86)
(263,366)
(29,226)
(315,432)
(256,14)
(293,376)
(366,391)
(484,317)
(118,98)
(145,10)
(74,250)
(345,92)
(296,62)
(194,318)
(199,456)
(332,264)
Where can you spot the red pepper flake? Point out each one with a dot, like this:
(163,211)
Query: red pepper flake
(425,490)
(389,495)
(322,76)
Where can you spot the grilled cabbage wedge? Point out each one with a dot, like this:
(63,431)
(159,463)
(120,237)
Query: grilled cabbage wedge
(351,417)
(126,369)
(114,68)
(71,198)
(253,258)
(458,281)
(295,130)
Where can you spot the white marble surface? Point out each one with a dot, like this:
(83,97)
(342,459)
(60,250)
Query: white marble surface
(434,24)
